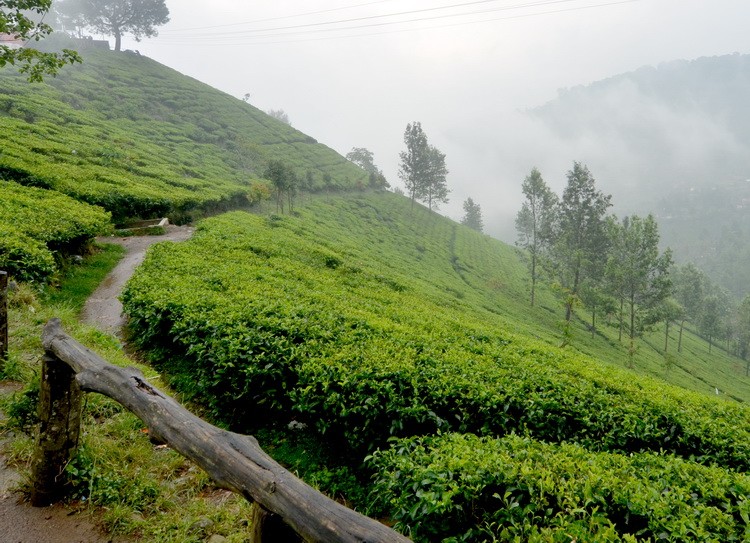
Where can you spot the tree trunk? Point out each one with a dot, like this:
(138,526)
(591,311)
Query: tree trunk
(679,337)
(622,317)
(533,277)
(118,38)
(233,461)
(666,335)
(593,321)
(3,320)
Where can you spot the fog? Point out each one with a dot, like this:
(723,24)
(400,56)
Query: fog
(472,81)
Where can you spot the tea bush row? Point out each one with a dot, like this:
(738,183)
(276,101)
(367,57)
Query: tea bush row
(465,488)
(258,317)
(36,225)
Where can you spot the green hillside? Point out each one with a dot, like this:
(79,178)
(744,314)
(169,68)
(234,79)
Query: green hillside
(369,321)
(139,139)
(403,341)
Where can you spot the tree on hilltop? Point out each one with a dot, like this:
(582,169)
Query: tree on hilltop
(435,183)
(18,19)
(115,17)
(472,215)
(415,161)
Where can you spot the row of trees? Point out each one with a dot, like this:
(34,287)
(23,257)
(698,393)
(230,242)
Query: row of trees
(711,311)
(615,269)
(611,266)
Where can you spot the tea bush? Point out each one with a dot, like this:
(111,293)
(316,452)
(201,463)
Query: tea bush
(466,488)
(36,225)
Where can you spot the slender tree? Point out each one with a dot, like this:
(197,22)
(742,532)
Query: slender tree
(690,285)
(415,161)
(715,309)
(115,17)
(435,184)
(643,274)
(671,311)
(284,181)
(534,222)
(472,215)
(580,233)
(23,20)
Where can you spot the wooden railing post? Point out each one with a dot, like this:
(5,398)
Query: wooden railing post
(3,319)
(59,428)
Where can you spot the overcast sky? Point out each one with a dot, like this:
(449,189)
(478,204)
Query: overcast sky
(355,72)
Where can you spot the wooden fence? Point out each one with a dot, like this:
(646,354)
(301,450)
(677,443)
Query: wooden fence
(284,507)
(3,319)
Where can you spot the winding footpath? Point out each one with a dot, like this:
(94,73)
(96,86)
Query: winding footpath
(21,523)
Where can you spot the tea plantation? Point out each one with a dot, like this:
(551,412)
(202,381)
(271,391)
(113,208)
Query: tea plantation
(402,341)
(140,140)
(370,322)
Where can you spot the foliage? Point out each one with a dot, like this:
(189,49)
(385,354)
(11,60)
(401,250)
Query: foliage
(39,226)
(115,17)
(18,19)
(465,488)
(472,215)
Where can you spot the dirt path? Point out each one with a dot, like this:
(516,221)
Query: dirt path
(19,522)
(103,310)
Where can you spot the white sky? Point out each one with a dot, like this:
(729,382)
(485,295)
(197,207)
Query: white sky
(465,78)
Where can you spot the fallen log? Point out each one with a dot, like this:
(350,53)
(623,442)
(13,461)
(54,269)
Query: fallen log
(233,461)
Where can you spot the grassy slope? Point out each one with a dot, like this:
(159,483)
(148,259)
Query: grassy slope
(481,272)
(127,133)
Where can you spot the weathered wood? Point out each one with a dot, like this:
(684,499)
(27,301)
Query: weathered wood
(233,461)
(3,319)
(265,527)
(60,423)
